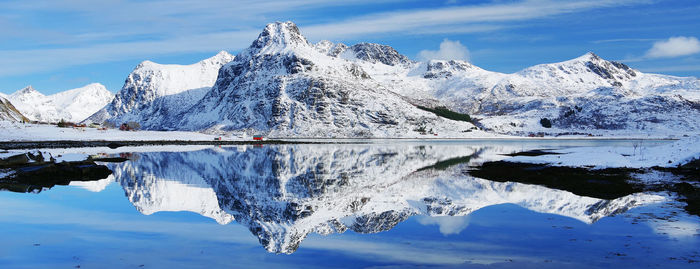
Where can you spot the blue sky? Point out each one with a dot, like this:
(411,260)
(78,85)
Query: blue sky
(60,45)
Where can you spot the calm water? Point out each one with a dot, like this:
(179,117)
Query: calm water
(385,204)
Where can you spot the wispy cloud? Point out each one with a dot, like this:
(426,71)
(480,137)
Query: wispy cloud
(115,30)
(441,20)
(26,61)
(623,40)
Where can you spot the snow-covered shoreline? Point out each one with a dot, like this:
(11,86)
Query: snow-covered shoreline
(20,132)
(15,132)
(669,155)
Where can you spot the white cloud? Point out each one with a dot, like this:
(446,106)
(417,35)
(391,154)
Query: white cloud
(674,47)
(448,224)
(449,50)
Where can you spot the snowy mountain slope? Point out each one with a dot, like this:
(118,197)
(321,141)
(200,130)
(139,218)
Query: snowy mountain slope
(153,92)
(585,76)
(284,86)
(71,105)
(8,112)
(283,193)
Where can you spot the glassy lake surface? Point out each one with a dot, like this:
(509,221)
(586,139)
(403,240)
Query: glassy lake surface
(384,204)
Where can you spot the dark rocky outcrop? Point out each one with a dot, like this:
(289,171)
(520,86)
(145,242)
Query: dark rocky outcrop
(30,173)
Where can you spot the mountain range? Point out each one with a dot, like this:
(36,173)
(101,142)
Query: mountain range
(71,105)
(284,86)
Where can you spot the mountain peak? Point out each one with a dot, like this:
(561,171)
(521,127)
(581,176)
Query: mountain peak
(91,89)
(377,53)
(28,89)
(222,54)
(589,56)
(26,92)
(329,48)
(278,36)
(221,58)
(95,85)
(145,63)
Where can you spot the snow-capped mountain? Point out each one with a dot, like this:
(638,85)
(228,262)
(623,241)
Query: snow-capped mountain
(283,193)
(71,105)
(583,94)
(155,92)
(8,112)
(284,86)
(153,184)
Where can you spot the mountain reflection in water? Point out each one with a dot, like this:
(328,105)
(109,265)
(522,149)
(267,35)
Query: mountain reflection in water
(283,193)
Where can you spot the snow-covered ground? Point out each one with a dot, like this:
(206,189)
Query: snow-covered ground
(668,155)
(15,131)
(12,131)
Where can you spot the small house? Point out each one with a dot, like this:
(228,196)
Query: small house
(130,126)
(258,137)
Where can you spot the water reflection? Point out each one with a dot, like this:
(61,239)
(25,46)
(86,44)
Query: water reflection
(284,193)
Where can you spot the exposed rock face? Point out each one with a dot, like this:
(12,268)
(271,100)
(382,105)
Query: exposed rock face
(445,69)
(8,112)
(376,53)
(328,48)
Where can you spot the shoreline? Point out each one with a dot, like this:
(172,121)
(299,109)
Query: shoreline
(37,144)
(14,145)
